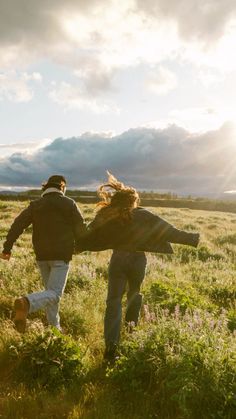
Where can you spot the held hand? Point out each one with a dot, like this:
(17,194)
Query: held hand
(196,239)
(5,256)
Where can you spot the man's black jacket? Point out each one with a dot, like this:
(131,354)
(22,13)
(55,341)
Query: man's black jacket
(57,223)
(144,232)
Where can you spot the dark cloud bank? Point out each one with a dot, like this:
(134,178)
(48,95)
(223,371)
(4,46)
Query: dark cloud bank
(169,159)
(22,21)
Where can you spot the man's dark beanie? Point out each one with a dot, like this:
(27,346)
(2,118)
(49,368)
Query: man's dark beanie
(54,181)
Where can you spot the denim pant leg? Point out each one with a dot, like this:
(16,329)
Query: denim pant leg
(54,276)
(116,288)
(136,272)
(45,269)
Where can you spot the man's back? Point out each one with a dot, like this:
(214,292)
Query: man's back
(56,222)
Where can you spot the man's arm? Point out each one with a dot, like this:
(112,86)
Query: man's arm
(80,228)
(21,222)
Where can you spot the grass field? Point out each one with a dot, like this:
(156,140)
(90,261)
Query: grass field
(180,362)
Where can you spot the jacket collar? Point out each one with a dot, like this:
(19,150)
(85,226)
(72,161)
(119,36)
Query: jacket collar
(50,190)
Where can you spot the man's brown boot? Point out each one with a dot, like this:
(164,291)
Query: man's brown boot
(21,306)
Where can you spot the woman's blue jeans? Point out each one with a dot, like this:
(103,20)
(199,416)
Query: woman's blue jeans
(125,268)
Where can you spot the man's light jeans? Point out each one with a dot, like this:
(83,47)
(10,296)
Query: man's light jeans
(54,275)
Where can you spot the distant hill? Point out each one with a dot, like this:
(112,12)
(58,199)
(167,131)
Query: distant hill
(9,193)
(148,199)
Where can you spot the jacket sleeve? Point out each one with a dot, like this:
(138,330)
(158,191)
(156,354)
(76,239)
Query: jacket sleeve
(94,239)
(168,233)
(80,228)
(21,222)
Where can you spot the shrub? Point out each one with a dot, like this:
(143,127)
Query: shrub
(232,320)
(202,253)
(49,359)
(186,367)
(5,307)
(227,239)
(212,226)
(190,227)
(73,321)
(170,295)
(222,295)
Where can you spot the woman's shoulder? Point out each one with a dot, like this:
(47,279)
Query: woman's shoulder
(104,216)
(142,211)
(144,214)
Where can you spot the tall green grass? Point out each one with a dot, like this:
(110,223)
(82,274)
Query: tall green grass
(180,362)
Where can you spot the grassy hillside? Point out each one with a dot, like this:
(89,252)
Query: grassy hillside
(179,364)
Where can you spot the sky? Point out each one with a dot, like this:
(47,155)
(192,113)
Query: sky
(145,90)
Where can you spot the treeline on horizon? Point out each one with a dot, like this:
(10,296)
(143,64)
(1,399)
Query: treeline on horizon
(148,198)
(90,193)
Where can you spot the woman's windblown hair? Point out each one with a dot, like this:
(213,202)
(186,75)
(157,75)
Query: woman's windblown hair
(117,199)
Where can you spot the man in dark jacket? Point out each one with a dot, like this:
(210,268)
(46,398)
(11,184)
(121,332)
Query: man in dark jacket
(57,222)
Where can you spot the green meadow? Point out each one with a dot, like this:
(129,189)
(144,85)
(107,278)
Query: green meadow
(180,363)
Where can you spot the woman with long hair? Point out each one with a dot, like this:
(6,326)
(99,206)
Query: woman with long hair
(120,224)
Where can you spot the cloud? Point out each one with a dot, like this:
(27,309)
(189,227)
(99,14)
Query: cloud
(15,87)
(96,38)
(59,30)
(161,159)
(76,97)
(208,77)
(36,30)
(28,147)
(45,22)
(76,34)
(204,20)
(195,117)
(96,77)
(198,118)
(40,20)
(161,81)
(34,76)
